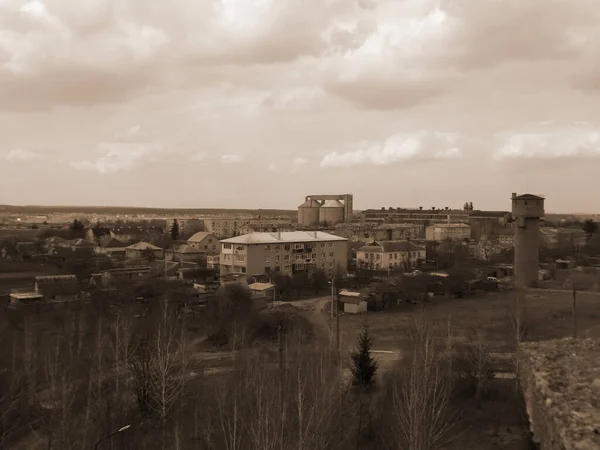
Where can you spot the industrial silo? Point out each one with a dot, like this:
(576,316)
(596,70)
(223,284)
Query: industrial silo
(308,213)
(331,212)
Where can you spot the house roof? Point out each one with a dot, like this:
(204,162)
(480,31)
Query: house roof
(82,243)
(494,214)
(390,247)
(199,236)
(450,225)
(345,293)
(114,243)
(283,237)
(100,231)
(57,284)
(143,246)
(55,240)
(261,286)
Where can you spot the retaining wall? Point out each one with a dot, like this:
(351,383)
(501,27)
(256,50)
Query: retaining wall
(560,380)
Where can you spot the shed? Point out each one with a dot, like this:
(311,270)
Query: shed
(57,287)
(263,291)
(353,302)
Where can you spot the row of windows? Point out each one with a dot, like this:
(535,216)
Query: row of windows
(287,247)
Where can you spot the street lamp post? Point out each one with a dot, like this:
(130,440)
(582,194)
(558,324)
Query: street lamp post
(111,435)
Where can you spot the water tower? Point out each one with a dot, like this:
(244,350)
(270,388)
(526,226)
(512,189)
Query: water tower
(527,212)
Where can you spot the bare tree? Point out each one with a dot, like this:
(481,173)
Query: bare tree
(421,397)
(475,363)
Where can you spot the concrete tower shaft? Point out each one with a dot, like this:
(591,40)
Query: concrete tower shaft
(527,211)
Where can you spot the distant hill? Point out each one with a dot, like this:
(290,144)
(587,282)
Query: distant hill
(35,209)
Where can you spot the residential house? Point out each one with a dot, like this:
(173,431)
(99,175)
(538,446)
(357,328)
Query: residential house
(143,250)
(352,302)
(386,255)
(206,241)
(55,242)
(442,231)
(99,235)
(185,253)
(213,261)
(114,249)
(283,252)
(57,287)
(83,248)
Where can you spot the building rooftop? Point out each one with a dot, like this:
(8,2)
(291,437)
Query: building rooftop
(82,243)
(114,243)
(283,237)
(527,197)
(450,225)
(199,237)
(57,284)
(390,247)
(491,214)
(143,246)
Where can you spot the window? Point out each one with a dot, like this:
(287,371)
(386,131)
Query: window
(267,248)
(298,256)
(286,257)
(277,268)
(330,244)
(226,257)
(298,246)
(243,270)
(277,258)
(299,266)
(331,254)
(209,240)
(267,269)
(322,244)
(267,259)
(314,256)
(323,255)
(277,248)
(227,246)
(287,267)
(240,248)
(286,247)
(240,258)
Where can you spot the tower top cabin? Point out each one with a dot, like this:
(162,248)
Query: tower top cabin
(527,206)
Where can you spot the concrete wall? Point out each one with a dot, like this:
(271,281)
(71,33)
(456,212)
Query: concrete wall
(527,253)
(560,381)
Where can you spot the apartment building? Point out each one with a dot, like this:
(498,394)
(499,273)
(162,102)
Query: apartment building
(386,255)
(283,252)
(266,226)
(442,231)
(223,227)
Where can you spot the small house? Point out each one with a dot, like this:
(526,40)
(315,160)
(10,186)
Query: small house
(24,298)
(57,287)
(264,291)
(352,302)
(113,248)
(185,253)
(125,274)
(142,250)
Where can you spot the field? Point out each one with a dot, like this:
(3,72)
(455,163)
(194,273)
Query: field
(498,424)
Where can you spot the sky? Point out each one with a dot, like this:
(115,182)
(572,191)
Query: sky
(258,103)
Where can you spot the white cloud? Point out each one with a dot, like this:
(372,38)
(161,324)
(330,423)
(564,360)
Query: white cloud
(397,148)
(19,154)
(231,159)
(558,142)
(117,157)
(300,161)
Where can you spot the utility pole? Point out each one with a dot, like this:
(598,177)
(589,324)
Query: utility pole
(337,329)
(574,312)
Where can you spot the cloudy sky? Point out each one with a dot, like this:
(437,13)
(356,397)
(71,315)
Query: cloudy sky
(257,103)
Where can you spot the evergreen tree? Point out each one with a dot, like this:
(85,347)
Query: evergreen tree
(175,230)
(363,366)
